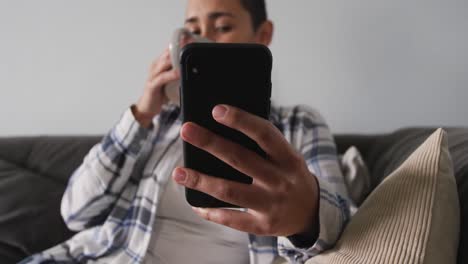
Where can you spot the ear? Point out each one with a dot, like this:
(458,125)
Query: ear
(264,33)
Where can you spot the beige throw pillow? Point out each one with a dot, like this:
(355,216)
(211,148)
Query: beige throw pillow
(411,217)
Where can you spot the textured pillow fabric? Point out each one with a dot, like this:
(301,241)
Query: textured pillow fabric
(411,217)
(389,151)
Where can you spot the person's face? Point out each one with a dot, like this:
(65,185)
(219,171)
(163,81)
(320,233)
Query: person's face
(224,21)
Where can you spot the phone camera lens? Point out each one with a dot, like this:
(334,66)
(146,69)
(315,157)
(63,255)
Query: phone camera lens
(195,70)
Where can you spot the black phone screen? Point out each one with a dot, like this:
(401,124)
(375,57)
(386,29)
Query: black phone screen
(232,74)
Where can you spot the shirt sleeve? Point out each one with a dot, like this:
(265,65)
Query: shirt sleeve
(307,131)
(95,186)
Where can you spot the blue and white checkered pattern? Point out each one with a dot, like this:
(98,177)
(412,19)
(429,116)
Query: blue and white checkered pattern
(112,198)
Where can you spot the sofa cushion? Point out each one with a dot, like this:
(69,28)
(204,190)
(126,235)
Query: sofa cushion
(53,157)
(411,217)
(29,213)
(33,176)
(389,151)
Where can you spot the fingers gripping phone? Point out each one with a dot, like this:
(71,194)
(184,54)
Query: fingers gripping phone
(234,74)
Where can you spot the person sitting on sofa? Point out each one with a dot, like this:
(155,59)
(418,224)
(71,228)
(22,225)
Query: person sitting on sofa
(129,210)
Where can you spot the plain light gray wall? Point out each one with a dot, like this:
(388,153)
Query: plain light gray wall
(72,67)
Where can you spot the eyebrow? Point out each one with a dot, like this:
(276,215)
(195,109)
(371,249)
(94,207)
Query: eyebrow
(211,16)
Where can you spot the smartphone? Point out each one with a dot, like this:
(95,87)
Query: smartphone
(213,73)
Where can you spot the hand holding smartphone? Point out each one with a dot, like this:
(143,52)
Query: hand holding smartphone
(233,74)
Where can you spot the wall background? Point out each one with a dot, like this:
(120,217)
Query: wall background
(72,67)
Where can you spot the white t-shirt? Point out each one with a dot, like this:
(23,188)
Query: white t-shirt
(181,236)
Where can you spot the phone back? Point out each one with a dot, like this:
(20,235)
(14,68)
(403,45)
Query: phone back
(232,74)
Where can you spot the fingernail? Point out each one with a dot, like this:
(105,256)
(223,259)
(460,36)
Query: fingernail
(188,132)
(180,175)
(219,111)
(200,210)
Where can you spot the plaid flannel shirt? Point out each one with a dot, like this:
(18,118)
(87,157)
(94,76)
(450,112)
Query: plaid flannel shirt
(112,198)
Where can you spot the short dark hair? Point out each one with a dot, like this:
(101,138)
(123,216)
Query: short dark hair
(257,11)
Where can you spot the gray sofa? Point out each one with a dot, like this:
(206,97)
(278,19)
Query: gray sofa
(34,172)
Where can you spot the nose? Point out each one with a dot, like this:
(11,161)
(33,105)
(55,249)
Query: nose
(208,34)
